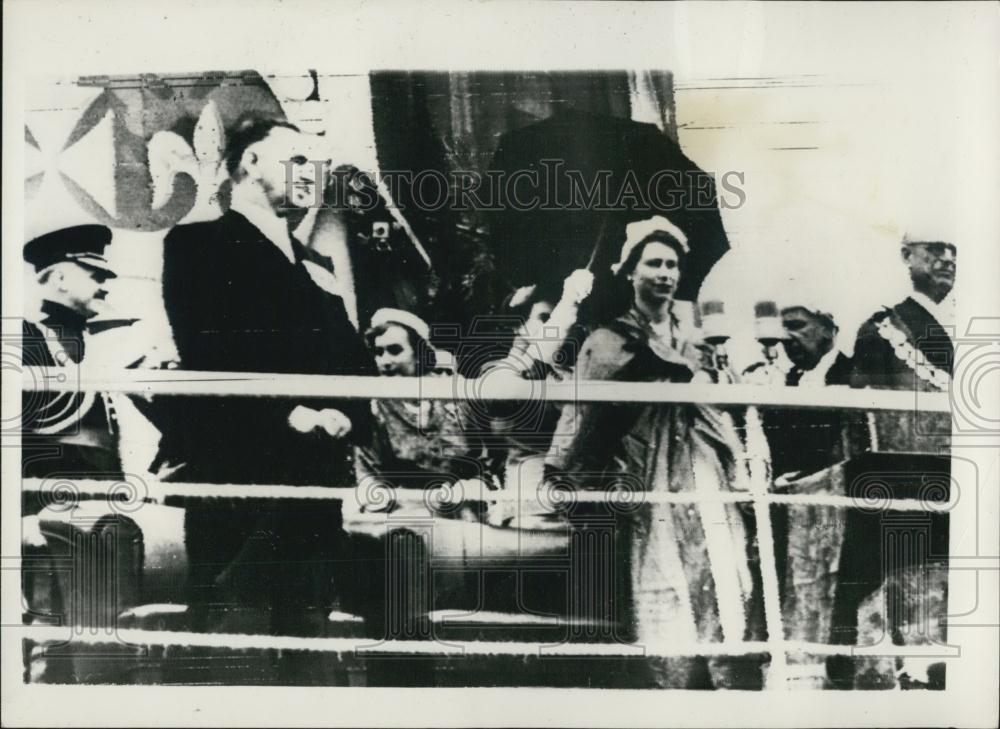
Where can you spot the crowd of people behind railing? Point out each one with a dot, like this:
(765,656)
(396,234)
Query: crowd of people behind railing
(242,294)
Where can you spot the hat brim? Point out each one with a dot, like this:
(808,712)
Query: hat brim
(107,272)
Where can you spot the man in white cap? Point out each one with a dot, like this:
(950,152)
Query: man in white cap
(810,343)
(803,442)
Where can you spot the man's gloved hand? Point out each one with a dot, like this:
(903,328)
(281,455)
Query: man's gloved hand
(303,419)
(333,421)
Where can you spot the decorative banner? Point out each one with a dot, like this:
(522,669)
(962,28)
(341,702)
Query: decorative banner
(144,153)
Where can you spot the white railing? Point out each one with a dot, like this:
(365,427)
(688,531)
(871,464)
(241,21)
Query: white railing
(186,382)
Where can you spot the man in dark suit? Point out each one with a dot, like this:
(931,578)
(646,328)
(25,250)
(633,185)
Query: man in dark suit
(66,433)
(242,294)
(906,347)
(909,347)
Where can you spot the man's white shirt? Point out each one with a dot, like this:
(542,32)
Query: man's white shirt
(943,313)
(816,377)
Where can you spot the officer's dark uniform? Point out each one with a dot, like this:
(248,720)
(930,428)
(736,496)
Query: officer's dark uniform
(65,433)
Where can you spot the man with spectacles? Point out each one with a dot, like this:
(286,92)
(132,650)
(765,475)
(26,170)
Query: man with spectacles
(906,347)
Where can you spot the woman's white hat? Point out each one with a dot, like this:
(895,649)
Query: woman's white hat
(641,230)
(386,316)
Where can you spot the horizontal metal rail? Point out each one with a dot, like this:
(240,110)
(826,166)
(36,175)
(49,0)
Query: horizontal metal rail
(488,388)
(66,489)
(362,647)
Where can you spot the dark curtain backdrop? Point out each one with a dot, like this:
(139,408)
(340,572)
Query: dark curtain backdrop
(453,122)
(480,121)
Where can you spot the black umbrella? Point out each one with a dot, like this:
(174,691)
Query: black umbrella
(595,175)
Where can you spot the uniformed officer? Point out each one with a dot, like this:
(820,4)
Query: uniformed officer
(66,433)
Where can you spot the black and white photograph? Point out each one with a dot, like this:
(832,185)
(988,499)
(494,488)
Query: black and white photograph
(607,356)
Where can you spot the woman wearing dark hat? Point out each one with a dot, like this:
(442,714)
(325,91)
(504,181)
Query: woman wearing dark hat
(689,577)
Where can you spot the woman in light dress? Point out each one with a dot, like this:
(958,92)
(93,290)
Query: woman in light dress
(690,580)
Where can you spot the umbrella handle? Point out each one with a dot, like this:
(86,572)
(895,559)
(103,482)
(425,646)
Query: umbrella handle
(597,244)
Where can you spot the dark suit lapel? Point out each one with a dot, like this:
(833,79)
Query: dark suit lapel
(244,233)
